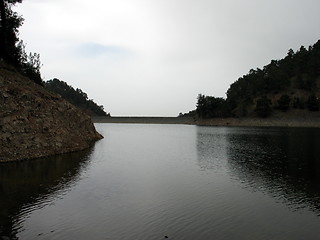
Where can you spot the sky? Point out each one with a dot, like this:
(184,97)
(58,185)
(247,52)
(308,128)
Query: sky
(153,57)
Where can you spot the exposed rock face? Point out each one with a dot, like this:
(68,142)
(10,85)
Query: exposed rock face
(36,123)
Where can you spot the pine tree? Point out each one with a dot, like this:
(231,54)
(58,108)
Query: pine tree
(9,23)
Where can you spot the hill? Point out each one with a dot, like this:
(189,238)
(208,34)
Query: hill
(35,122)
(290,85)
(76,97)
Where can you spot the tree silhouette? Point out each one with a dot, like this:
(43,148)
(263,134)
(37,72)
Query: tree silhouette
(76,97)
(263,107)
(297,71)
(12,49)
(284,102)
(211,107)
(313,103)
(9,23)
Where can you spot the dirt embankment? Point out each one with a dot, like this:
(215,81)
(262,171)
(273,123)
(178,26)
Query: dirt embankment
(36,123)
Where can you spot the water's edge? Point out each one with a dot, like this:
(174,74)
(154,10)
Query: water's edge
(236,122)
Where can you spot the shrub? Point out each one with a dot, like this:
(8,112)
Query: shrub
(263,107)
(284,102)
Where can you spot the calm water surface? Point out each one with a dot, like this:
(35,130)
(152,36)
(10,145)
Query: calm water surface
(184,182)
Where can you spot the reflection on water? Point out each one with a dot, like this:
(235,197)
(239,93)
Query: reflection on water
(211,147)
(277,171)
(282,162)
(26,186)
(185,182)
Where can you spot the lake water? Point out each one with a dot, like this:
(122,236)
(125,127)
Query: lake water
(183,182)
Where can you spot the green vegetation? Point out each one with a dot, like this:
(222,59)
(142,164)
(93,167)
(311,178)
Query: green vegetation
(12,49)
(284,102)
(192,113)
(292,82)
(76,97)
(313,103)
(12,52)
(210,107)
(263,107)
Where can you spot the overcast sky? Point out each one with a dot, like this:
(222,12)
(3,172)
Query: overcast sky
(153,57)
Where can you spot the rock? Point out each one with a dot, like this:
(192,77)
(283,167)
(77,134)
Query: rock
(37,123)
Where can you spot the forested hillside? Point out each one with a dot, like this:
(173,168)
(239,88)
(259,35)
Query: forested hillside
(290,83)
(13,53)
(76,97)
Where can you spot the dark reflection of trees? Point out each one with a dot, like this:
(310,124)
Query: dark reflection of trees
(284,163)
(211,147)
(29,185)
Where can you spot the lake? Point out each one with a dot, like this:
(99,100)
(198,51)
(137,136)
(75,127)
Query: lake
(176,181)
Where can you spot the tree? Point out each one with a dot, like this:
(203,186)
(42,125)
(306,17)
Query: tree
(9,23)
(263,107)
(211,107)
(284,102)
(76,97)
(313,103)
(298,70)
(201,105)
(298,103)
(290,53)
(12,49)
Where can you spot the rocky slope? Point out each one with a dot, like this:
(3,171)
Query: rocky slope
(36,123)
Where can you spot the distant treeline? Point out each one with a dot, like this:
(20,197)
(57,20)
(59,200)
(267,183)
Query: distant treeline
(292,82)
(76,97)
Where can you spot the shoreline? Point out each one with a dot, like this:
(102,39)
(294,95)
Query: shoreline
(234,122)
(257,122)
(143,120)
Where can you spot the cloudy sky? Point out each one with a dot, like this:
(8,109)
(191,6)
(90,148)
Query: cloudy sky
(153,57)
